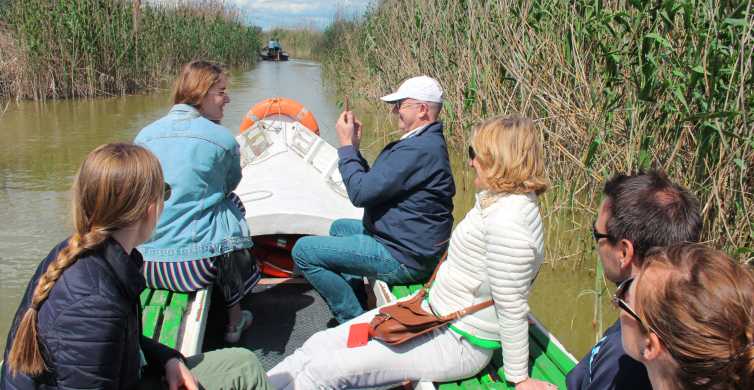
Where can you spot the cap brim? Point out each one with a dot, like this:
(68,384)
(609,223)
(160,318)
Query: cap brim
(393,97)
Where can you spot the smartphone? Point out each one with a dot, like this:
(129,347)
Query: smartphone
(358,335)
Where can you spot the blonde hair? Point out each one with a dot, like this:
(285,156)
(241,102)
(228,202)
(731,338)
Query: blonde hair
(195,80)
(510,154)
(113,189)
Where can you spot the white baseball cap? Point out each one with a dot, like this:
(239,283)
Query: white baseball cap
(422,88)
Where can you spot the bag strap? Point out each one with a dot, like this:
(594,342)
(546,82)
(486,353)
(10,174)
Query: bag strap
(434,273)
(460,313)
(469,310)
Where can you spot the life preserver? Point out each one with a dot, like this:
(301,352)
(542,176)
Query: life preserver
(280,106)
(274,254)
(273,262)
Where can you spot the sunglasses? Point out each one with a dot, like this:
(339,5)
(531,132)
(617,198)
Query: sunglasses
(167,191)
(402,104)
(620,302)
(597,235)
(472,153)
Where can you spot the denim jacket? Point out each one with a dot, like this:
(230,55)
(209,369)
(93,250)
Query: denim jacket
(201,162)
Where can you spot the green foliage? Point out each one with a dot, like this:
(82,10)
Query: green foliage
(94,47)
(615,86)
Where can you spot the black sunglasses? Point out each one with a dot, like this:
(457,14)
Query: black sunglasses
(620,302)
(597,235)
(166,192)
(472,153)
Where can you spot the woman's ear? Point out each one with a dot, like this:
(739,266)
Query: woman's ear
(653,348)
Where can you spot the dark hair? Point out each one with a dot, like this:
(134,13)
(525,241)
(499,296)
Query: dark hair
(649,210)
(701,309)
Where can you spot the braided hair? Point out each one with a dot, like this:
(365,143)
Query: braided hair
(113,189)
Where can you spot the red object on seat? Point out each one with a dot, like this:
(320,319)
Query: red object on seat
(274,254)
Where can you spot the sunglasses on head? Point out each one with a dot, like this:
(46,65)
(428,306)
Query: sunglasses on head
(167,191)
(472,153)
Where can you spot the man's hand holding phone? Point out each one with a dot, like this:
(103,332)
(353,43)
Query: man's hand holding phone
(348,128)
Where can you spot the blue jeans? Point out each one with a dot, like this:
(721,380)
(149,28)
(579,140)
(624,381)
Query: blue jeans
(328,263)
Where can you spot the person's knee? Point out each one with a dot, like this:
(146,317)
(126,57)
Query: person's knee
(338,226)
(302,249)
(240,355)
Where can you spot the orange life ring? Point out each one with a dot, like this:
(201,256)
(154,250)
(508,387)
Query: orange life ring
(274,262)
(280,106)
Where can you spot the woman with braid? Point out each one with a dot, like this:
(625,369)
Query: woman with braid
(79,323)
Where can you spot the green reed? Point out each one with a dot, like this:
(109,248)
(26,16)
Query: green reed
(84,48)
(615,86)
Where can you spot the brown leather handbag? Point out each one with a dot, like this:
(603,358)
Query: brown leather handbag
(398,323)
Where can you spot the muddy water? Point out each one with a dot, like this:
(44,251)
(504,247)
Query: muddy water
(42,144)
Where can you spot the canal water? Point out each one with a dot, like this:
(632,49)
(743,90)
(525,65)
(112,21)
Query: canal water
(42,144)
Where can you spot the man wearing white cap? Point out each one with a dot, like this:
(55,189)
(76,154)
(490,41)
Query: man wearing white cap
(407,196)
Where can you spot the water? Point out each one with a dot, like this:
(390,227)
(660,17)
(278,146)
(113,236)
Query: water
(42,145)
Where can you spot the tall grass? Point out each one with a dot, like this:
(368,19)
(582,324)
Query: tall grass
(82,48)
(615,86)
(300,42)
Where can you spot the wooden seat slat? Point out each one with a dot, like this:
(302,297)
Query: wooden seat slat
(144,297)
(160,298)
(171,325)
(150,318)
(179,300)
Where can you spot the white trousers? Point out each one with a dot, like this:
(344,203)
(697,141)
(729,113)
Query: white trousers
(324,361)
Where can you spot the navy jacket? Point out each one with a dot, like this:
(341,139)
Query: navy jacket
(90,325)
(608,367)
(407,195)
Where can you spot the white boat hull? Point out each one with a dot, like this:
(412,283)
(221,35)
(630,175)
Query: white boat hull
(291,183)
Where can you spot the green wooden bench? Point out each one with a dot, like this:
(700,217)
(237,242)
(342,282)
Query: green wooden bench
(175,319)
(548,359)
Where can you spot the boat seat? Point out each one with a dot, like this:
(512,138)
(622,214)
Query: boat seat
(175,319)
(547,360)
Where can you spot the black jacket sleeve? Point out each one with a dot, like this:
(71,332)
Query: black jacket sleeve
(157,355)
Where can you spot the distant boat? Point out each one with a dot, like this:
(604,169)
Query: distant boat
(273,52)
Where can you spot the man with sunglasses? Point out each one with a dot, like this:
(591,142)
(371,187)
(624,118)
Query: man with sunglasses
(407,196)
(638,212)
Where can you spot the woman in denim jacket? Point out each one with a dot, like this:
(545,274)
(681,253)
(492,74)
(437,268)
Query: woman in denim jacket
(202,236)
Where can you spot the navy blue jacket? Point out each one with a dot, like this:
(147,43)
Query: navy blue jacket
(407,195)
(608,367)
(90,325)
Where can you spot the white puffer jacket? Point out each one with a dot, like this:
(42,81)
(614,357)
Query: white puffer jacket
(495,252)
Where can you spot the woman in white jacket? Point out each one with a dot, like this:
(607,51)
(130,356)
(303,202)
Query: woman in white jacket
(495,253)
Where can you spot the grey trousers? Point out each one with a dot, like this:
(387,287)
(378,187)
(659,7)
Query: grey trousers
(223,369)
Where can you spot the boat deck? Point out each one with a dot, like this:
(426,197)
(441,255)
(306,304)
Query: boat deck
(288,312)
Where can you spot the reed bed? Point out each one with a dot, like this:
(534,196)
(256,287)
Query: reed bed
(85,48)
(615,86)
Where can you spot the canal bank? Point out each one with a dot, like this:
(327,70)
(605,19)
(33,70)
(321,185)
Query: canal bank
(43,144)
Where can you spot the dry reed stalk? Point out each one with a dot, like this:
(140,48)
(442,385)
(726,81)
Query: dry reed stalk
(611,88)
